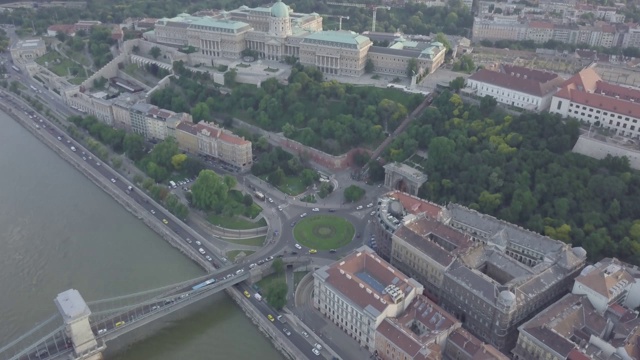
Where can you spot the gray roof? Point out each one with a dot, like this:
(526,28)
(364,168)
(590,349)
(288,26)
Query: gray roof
(397,52)
(342,37)
(71,305)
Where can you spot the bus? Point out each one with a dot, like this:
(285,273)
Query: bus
(17,69)
(259,195)
(203,284)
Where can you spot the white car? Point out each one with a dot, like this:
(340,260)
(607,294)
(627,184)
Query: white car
(113,180)
(359,207)
(208,258)
(239,271)
(201,250)
(252,266)
(303,215)
(298,246)
(369,205)
(315,209)
(315,351)
(198,243)
(98,164)
(153,211)
(102,331)
(270,200)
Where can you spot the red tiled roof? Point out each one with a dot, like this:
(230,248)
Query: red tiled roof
(187,127)
(517,78)
(62,28)
(415,205)
(233,139)
(587,88)
(541,25)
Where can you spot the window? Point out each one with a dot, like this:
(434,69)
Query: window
(559,105)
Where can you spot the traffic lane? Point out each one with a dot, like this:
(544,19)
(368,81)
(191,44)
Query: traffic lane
(296,338)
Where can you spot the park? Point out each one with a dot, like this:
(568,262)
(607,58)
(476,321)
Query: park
(324,232)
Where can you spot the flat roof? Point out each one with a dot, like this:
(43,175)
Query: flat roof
(344,37)
(71,305)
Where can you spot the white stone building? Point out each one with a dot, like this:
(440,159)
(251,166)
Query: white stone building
(517,86)
(358,292)
(27,50)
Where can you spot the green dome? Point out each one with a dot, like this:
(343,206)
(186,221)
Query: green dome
(280,10)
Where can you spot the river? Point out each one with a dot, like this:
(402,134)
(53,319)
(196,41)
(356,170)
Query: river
(59,231)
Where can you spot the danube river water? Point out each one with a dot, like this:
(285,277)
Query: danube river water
(59,231)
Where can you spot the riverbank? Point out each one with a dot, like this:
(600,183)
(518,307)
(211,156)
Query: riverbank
(277,339)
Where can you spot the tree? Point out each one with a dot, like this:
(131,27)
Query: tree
(276,294)
(488,104)
(230,77)
(247,200)
(308,176)
(442,38)
(155,52)
(278,266)
(208,190)
(61,36)
(277,177)
(369,67)
(177,161)
(457,84)
(412,67)
(353,193)
(200,112)
(133,145)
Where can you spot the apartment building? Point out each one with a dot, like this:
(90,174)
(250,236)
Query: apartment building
(461,345)
(210,140)
(586,97)
(575,327)
(394,59)
(517,86)
(391,211)
(498,28)
(512,275)
(418,334)
(360,291)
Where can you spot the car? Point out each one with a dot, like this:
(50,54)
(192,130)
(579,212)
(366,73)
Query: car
(261,262)
(201,251)
(303,215)
(165,221)
(332,251)
(280,207)
(294,253)
(298,246)
(315,351)
(358,235)
(246,293)
(198,243)
(113,180)
(372,213)
(189,241)
(305,334)
(208,258)
(252,266)
(90,157)
(120,323)
(97,164)
(359,207)
(240,271)
(312,251)
(270,200)
(293,224)
(286,331)
(84,158)
(59,138)
(68,141)
(102,331)
(332,210)
(315,209)
(269,258)
(270,317)
(183,296)
(370,205)
(318,346)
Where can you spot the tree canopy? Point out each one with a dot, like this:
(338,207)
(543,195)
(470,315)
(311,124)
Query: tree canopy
(521,169)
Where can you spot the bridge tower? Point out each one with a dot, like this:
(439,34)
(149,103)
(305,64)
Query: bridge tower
(75,312)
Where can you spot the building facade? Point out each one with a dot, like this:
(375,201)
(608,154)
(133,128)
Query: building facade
(517,86)
(587,98)
(28,50)
(360,291)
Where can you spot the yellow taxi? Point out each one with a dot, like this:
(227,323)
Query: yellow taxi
(270,318)
(119,323)
(313,251)
(246,293)
(165,221)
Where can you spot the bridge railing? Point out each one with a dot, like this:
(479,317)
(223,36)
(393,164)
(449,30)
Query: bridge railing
(31,337)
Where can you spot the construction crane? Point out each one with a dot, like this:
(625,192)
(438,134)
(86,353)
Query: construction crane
(371,7)
(337,16)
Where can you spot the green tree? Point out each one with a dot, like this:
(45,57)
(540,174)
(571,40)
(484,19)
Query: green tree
(247,200)
(62,37)
(368,66)
(457,84)
(442,38)
(133,146)
(177,161)
(200,112)
(276,294)
(308,176)
(488,104)
(230,77)
(412,67)
(208,190)
(353,193)
(155,52)
(277,177)
(278,266)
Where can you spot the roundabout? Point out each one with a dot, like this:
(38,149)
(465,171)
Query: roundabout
(323,232)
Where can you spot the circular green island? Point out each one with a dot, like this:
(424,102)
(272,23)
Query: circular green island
(323,232)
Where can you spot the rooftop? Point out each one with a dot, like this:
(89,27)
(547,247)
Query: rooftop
(71,305)
(415,205)
(420,326)
(406,171)
(369,282)
(609,277)
(28,44)
(188,127)
(342,37)
(472,347)
(517,78)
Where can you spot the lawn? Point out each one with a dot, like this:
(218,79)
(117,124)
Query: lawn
(253,211)
(256,241)
(231,255)
(291,185)
(58,64)
(270,279)
(235,223)
(323,232)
